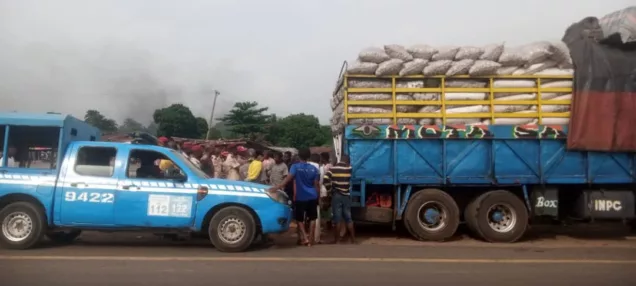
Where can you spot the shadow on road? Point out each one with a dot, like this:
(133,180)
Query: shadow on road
(601,234)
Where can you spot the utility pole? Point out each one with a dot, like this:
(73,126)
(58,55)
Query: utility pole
(216,94)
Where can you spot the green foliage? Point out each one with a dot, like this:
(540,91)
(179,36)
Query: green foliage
(152,128)
(95,118)
(178,121)
(202,127)
(131,125)
(247,120)
(216,133)
(299,131)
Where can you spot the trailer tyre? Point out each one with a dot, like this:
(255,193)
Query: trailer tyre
(63,237)
(498,216)
(22,224)
(432,214)
(232,229)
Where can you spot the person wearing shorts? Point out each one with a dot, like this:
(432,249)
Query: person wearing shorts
(306,179)
(338,180)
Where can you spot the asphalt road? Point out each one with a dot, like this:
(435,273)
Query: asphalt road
(130,259)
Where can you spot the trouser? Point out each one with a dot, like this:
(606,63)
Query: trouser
(317,229)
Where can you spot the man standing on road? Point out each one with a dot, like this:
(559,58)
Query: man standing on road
(278,171)
(306,194)
(338,179)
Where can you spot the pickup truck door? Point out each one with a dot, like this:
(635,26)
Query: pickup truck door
(143,201)
(86,186)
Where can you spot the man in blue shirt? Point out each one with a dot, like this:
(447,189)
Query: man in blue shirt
(306,193)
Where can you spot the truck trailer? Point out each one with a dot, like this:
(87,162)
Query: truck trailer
(496,164)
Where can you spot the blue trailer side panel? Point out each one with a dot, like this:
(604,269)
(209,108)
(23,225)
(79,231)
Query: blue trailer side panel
(478,155)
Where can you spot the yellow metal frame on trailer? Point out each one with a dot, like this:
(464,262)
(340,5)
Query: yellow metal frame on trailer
(394,115)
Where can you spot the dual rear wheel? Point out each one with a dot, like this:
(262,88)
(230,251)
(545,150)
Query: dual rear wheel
(495,216)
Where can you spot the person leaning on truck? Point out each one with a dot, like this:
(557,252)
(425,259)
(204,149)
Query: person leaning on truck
(338,180)
(306,194)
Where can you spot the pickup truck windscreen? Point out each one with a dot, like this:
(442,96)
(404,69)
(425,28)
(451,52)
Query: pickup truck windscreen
(191,166)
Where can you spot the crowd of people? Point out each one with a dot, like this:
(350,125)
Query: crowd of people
(319,190)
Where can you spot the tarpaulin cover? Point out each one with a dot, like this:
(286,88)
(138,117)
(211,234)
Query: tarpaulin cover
(603,112)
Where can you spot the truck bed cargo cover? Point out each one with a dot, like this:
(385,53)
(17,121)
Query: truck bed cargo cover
(603,113)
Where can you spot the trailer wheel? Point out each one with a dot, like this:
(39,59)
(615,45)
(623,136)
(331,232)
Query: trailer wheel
(23,225)
(497,216)
(232,229)
(470,216)
(63,237)
(431,214)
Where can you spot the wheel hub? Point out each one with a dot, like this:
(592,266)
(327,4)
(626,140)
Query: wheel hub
(17,226)
(502,218)
(432,216)
(497,216)
(232,230)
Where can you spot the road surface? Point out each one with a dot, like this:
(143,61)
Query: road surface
(125,259)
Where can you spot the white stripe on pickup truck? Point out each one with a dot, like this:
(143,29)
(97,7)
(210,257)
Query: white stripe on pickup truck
(137,186)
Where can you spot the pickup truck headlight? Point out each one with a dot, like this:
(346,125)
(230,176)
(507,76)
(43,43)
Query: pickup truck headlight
(279,197)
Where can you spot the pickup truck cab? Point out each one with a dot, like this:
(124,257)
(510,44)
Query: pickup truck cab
(78,183)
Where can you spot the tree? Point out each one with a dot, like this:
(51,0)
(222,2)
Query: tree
(247,120)
(216,133)
(202,127)
(152,128)
(95,118)
(176,120)
(299,131)
(131,125)
(326,133)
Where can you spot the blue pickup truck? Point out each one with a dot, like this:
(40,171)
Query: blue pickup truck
(57,179)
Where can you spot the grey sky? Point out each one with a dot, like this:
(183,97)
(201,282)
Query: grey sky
(128,57)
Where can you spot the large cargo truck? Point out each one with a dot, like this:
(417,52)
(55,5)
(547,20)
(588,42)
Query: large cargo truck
(494,167)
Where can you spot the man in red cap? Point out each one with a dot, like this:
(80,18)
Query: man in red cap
(196,154)
(163,141)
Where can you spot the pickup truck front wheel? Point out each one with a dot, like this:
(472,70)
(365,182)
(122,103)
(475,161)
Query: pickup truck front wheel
(232,229)
(23,225)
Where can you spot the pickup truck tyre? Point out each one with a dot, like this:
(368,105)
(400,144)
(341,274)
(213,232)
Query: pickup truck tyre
(498,216)
(22,225)
(63,237)
(431,214)
(232,229)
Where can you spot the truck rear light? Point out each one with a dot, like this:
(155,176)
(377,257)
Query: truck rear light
(202,191)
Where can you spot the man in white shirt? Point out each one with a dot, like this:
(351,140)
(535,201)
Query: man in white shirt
(10,158)
(195,156)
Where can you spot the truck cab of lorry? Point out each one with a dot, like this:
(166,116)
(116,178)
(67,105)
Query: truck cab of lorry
(108,186)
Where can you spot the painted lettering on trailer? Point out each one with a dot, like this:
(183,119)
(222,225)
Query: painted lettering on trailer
(88,197)
(607,205)
(543,203)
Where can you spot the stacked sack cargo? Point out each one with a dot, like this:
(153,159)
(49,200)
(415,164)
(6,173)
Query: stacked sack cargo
(423,66)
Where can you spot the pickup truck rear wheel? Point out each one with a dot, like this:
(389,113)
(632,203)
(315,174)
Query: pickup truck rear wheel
(431,214)
(63,237)
(497,216)
(232,229)
(23,225)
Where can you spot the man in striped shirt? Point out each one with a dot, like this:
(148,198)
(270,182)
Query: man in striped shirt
(338,181)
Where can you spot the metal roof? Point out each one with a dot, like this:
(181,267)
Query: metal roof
(33,119)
